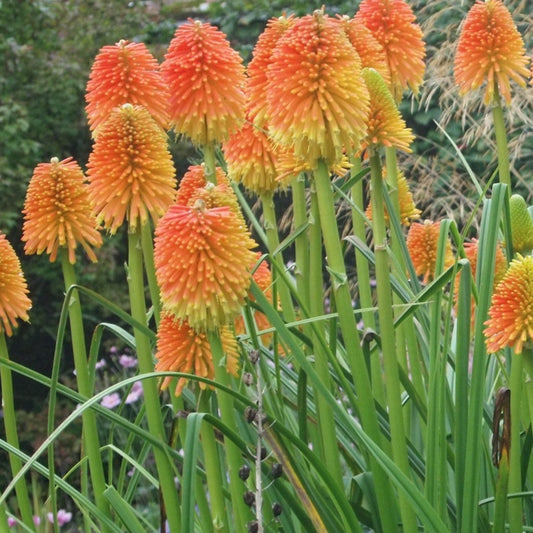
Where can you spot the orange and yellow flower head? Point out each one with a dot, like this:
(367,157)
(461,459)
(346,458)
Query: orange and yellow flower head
(206,81)
(252,159)
(408,210)
(386,126)
(202,256)
(422,243)
(256,87)
(491,50)
(125,73)
(14,301)
(370,51)
(130,170)
(510,322)
(58,213)
(317,100)
(181,348)
(393,24)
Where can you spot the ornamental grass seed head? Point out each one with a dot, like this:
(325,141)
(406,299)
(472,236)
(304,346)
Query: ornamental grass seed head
(125,73)
(57,211)
(510,322)
(130,170)
(181,348)
(317,100)
(202,256)
(206,81)
(14,301)
(393,24)
(422,243)
(386,126)
(491,50)
(256,86)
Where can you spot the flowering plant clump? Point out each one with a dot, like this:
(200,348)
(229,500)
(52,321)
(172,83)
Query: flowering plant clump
(309,342)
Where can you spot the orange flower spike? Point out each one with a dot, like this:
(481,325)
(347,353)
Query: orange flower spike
(510,320)
(317,100)
(125,73)
(422,243)
(370,51)
(386,127)
(180,348)
(14,301)
(490,49)
(206,80)
(393,24)
(57,211)
(202,257)
(130,170)
(251,159)
(256,88)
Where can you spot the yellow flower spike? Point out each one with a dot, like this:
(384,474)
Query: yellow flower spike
(317,100)
(206,81)
(181,348)
(202,257)
(125,73)
(57,211)
(422,243)
(14,301)
(130,170)
(393,24)
(408,209)
(491,50)
(521,225)
(385,124)
(510,322)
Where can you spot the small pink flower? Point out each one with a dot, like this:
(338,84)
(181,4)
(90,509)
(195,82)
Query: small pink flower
(37,520)
(135,393)
(127,361)
(111,400)
(63,517)
(100,364)
(11,522)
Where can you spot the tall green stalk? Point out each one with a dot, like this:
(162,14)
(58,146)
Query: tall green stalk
(90,429)
(387,335)
(146,364)
(10,424)
(348,326)
(301,245)
(148,255)
(504,171)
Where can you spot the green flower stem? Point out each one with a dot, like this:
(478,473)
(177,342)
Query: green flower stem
(213,471)
(271,231)
(326,421)
(4,526)
(348,326)
(210,163)
(227,414)
(504,171)
(90,429)
(301,245)
(164,467)
(515,472)
(10,424)
(149,266)
(387,334)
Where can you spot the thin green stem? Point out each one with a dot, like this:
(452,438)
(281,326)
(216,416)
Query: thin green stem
(227,414)
(164,467)
(387,334)
(210,163)
(504,171)
(10,424)
(90,429)
(301,245)
(213,472)
(348,326)
(148,255)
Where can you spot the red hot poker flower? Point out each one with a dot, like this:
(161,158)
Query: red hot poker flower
(490,49)
(131,174)
(206,81)
(125,73)
(14,301)
(57,211)
(510,318)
